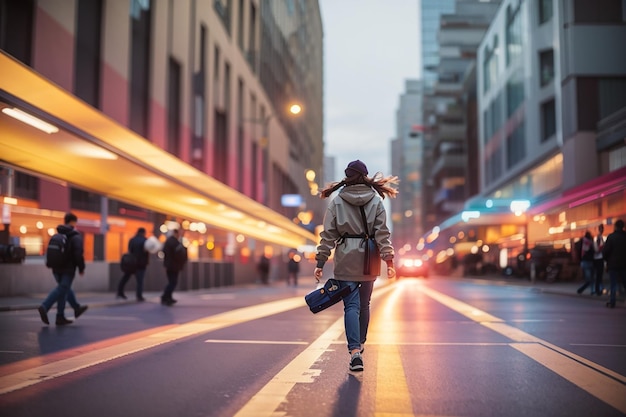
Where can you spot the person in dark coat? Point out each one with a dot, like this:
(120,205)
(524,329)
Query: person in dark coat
(614,253)
(174,262)
(586,262)
(64,276)
(264,269)
(136,247)
(293,268)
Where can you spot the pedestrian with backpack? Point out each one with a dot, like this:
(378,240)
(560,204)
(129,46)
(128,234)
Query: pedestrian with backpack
(174,260)
(64,255)
(140,261)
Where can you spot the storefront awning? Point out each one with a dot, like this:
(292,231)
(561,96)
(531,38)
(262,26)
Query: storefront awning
(96,153)
(595,189)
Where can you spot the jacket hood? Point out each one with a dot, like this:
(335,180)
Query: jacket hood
(66,230)
(357,194)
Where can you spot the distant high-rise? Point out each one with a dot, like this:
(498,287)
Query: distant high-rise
(431,13)
(406,157)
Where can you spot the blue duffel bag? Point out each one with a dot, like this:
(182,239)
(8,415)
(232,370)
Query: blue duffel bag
(328,295)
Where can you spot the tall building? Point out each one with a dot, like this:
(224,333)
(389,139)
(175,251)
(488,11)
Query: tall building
(430,11)
(452,132)
(160,112)
(552,105)
(406,163)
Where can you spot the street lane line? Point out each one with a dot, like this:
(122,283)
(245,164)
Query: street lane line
(257,342)
(433,343)
(570,366)
(392,391)
(597,345)
(299,370)
(23,379)
(606,389)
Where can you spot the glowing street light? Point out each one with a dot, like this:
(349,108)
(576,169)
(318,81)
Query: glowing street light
(294,109)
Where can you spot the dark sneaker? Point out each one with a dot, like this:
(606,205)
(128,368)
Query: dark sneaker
(141,299)
(80,310)
(166,302)
(356,362)
(121,296)
(43,314)
(62,321)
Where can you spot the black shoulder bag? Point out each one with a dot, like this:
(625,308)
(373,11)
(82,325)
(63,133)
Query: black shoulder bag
(371,261)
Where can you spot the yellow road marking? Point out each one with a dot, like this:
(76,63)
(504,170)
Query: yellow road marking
(299,370)
(603,383)
(66,366)
(392,392)
(600,386)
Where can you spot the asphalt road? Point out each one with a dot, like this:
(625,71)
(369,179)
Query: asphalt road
(436,347)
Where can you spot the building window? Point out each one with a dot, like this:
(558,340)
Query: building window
(26,186)
(174,97)
(240,138)
(490,65)
(493,166)
(546,67)
(240,25)
(252,47)
(220,155)
(84,200)
(514,93)
(545,11)
(589,12)
(548,120)
(254,166)
(515,146)
(140,14)
(223,8)
(513,34)
(611,95)
(197,147)
(16,28)
(87,60)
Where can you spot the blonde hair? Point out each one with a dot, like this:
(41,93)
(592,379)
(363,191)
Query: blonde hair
(380,184)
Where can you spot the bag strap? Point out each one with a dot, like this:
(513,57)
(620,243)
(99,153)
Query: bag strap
(367,232)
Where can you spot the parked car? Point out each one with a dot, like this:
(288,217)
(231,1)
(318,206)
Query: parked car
(412,266)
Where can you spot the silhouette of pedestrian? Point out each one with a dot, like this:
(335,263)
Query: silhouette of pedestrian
(264,269)
(64,274)
(615,254)
(136,248)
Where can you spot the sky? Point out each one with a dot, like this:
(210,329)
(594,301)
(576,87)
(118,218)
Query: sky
(370,48)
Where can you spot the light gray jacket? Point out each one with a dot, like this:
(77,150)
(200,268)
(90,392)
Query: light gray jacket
(344,217)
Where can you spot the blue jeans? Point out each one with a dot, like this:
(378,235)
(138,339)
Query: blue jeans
(618,277)
(139,274)
(598,266)
(61,293)
(365,295)
(587,267)
(351,313)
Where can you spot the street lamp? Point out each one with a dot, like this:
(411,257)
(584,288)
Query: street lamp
(293,109)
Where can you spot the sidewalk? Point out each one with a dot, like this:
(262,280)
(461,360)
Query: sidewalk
(103,299)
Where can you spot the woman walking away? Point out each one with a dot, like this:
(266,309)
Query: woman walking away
(359,200)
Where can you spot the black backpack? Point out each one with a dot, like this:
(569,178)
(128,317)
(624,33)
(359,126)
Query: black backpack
(58,252)
(180,255)
(128,263)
